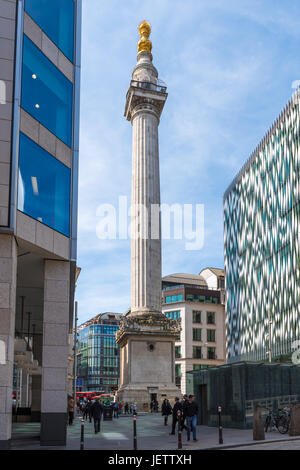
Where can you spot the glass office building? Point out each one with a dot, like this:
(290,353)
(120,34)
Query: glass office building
(40,61)
(98,358)
(261,246)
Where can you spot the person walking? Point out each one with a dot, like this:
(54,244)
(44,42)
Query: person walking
(116,408)
(126,409)
(96,411)
(166,410)
(184,403)
(86,409)
(152,406)
(71,410)
(177,407)
(191,412)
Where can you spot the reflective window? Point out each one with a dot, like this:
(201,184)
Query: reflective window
(44,186)
(56,18)
(46,92)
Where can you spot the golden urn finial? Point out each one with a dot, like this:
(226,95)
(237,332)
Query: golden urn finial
(144,30)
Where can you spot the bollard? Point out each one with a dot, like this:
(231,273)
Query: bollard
(134,433)
(82,435)
(220,425)
(179,430)
(258,425)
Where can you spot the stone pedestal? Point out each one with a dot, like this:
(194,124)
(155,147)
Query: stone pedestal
(147,360)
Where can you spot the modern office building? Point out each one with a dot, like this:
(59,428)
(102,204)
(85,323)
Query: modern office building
(198,300)
(39,129)
(261,246)
(98,355)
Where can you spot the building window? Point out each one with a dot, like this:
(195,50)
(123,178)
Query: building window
(177,352)
(46,93)
(208,299)
(211,336)
(210,318)
(196,316)
(44,187)
(173,298)
(173,315)
(197,352)
(199,366)
(178,370)
(196,334)
(211,353)
(56,18)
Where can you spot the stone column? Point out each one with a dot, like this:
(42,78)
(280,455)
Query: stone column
(8,275)
(55,352)
(145,251)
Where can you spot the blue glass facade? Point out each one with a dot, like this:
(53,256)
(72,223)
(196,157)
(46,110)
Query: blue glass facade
(98,357)
(46,93)
(44,186)
(56,18)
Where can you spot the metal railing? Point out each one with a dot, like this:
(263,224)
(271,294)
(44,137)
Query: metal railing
(149,86)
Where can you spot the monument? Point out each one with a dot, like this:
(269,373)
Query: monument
(146,337)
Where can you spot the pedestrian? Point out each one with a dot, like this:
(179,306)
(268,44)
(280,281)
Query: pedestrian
(177,407)
(166,410)
(116,409)
(191,412)
(71,410)
(156,406)
(184,403)
(120,407)
(126,408)
(134,409)
(152,406)
(86,409)
(96,411)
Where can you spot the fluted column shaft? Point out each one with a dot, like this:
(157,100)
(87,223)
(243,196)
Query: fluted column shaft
(145,249)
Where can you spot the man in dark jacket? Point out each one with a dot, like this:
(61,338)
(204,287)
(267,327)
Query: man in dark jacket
(166,410)
(177,407)
(191,412)
(184,403)
(96,411)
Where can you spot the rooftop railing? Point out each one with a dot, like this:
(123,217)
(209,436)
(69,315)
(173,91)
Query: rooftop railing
(149,86)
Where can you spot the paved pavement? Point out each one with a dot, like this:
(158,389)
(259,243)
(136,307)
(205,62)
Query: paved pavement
(151,434)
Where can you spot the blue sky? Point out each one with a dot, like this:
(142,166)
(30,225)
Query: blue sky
(229,67)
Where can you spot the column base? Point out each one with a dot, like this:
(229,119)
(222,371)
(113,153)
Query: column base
(5,445)
(53,429)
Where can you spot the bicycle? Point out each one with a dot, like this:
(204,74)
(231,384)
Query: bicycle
(279,419)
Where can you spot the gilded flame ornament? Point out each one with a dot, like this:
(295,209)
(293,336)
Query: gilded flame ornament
(144,43)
